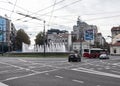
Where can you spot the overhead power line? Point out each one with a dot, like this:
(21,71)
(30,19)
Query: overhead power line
(52,11)
(49,6)
(13,8)
(106,17)
(61,7)
(43,9)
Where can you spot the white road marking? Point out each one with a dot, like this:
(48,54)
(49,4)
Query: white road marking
(96,72)
(18,67)
(22,60)
(98,85)
(29,75)
(2,84)
(11,78)
(115,71)
(46,73)
(6,71)
(117,64)
(107,67)
(59,77)
(78,81)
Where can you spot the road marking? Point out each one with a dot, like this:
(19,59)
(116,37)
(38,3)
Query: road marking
(78,81)
(29,75)
(22,60)
(46,73)
(98,85)
(18,67)
(2,84)
(115,71)
(11,78)
(59,77)
(96,72)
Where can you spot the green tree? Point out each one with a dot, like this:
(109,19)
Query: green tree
(20,38)
(40,39)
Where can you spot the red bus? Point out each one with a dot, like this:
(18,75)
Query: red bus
(93,52)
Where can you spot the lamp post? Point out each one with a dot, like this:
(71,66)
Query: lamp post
(81,39)
(44,37)
(111,38)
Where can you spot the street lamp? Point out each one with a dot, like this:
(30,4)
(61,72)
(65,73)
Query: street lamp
(81,39)
(44,37)
(39,20)
(111,38)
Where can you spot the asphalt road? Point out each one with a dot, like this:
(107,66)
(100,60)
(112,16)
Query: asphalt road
(59,72)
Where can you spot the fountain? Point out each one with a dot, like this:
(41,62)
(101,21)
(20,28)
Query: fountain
(52,47)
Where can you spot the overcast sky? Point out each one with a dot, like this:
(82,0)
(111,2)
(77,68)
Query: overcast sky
(62,14)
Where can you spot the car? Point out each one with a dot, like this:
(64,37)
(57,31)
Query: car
(103,56)
(74,58)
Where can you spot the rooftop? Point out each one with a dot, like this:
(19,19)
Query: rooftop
(115,28)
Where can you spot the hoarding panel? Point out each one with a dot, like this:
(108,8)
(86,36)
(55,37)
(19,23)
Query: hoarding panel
(89,34)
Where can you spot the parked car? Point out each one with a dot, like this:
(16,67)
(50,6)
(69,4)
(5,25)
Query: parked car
(104,56)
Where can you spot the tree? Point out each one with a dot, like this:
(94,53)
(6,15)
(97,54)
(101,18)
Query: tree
(20,38)
(40,39)
(74,38)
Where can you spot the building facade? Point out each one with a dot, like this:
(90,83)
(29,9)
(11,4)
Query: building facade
(7,32)
(59,36)
(82,32)
(79,31)
(115,38)
(115,31)
(115,45)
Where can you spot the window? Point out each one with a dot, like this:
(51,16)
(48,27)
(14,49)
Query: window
(114,51)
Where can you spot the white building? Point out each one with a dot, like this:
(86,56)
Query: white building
(115,45)
(81,45)
(57,36)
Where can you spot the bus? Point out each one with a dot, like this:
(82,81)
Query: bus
(93,52)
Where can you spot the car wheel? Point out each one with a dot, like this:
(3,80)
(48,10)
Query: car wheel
(69,60)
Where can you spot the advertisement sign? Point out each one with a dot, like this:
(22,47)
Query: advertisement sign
(89,34)
(2,29)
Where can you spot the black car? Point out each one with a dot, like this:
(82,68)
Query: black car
(74,58)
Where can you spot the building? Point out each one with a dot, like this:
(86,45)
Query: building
(100,39)
(83,32)
(77,45)
(7,32)
(115,45)
(115,38)
(115,31)
(79,31)
(59,36)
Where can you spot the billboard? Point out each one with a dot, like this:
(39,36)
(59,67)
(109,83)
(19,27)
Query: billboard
(2,29)
(89,34)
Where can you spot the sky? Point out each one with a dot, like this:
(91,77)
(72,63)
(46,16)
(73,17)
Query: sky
(62,14)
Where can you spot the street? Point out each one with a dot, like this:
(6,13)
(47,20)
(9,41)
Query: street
(23,71)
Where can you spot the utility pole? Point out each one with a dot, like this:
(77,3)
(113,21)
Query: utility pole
(80,27)
(44,37)
(81,39)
